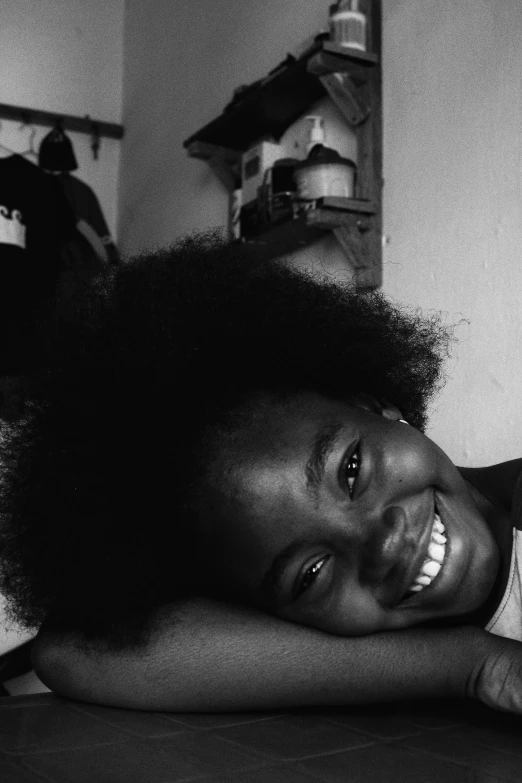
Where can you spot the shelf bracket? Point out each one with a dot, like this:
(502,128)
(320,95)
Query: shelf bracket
(324,63)
(357,235)
(367,274)
(224,162)
(343,93)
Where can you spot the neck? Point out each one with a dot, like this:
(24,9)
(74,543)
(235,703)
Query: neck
(492,490)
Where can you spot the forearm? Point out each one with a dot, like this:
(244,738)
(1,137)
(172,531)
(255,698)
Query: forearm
(214,657)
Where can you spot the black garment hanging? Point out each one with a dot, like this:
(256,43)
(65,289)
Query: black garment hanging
(90,218)
(35,221)
(56,155)
(56,152)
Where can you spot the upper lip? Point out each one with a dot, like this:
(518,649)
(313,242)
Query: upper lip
(409,569)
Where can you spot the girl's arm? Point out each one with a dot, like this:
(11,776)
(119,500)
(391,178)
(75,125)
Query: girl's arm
(213,657)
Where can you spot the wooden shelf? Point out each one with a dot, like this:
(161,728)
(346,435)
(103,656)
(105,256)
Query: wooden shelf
(354,223)
(271,105)
(286,237)
(336,204)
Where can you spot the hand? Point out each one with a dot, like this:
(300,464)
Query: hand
(496,679)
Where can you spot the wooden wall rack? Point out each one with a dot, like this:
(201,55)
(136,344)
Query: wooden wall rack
(69,122)
(353,80)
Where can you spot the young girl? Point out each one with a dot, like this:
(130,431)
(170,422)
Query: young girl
(221,498)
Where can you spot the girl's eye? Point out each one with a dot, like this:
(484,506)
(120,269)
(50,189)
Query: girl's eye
(352,471)
(310,575)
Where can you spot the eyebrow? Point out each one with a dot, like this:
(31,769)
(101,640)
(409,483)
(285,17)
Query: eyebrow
(323,445)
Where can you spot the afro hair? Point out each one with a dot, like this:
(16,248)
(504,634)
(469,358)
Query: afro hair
(139,366)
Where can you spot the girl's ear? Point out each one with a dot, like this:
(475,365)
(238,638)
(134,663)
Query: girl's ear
(381,406)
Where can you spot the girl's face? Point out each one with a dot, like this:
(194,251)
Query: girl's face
(329,518)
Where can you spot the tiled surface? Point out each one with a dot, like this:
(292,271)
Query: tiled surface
(47,738)
(27,683)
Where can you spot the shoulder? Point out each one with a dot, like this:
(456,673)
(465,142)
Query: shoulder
(501,483)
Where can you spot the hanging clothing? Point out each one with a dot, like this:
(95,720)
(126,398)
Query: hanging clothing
(35,221)
(91,222)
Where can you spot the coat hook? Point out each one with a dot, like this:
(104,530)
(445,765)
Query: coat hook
(95,139)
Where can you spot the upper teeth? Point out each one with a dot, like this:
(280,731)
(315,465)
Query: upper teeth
(433,563)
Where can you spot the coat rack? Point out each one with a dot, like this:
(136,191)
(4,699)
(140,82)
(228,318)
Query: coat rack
(95,128)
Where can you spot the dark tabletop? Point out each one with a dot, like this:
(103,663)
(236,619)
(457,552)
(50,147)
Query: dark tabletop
(46,738)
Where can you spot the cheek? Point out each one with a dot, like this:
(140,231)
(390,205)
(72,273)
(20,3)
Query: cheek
(413,463)
(354,613)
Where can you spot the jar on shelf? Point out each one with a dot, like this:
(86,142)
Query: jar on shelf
(325,173)
(348,24)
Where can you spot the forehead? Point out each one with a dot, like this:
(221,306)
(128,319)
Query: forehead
(278,427)
(270,456)
(262,496)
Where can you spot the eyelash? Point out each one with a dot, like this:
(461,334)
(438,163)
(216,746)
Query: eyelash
(302,584)
(354,457)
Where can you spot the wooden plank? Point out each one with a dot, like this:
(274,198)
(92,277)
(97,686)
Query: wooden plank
(331,218)
(323,64)
(274,103)
(348,204)
(266,110)
(204,151)
(286,237)
(360,240)
(68,121)
(359,249)
(224,162)
(369,141)
(353,55)
(343,93)
(354,230)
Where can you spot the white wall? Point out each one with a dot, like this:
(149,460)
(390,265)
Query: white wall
(452,168)
(182,62)
(66,56)
(453,203)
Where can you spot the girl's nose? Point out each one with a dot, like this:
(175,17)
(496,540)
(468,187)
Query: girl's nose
(385,546)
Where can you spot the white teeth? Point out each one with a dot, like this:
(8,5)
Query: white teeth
(431,568)
(437,525)
(433,563)
(436,551)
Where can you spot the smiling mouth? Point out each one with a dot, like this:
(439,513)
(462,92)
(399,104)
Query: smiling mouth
(433,562)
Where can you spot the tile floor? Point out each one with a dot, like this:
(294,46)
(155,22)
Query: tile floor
(25,684)
(46,738)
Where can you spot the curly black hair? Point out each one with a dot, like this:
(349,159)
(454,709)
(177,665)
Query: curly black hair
(141,368)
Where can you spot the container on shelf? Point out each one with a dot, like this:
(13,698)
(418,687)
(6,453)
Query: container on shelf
(325,173)
(348,24)
(255,161)
(278,193)
(315,131)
